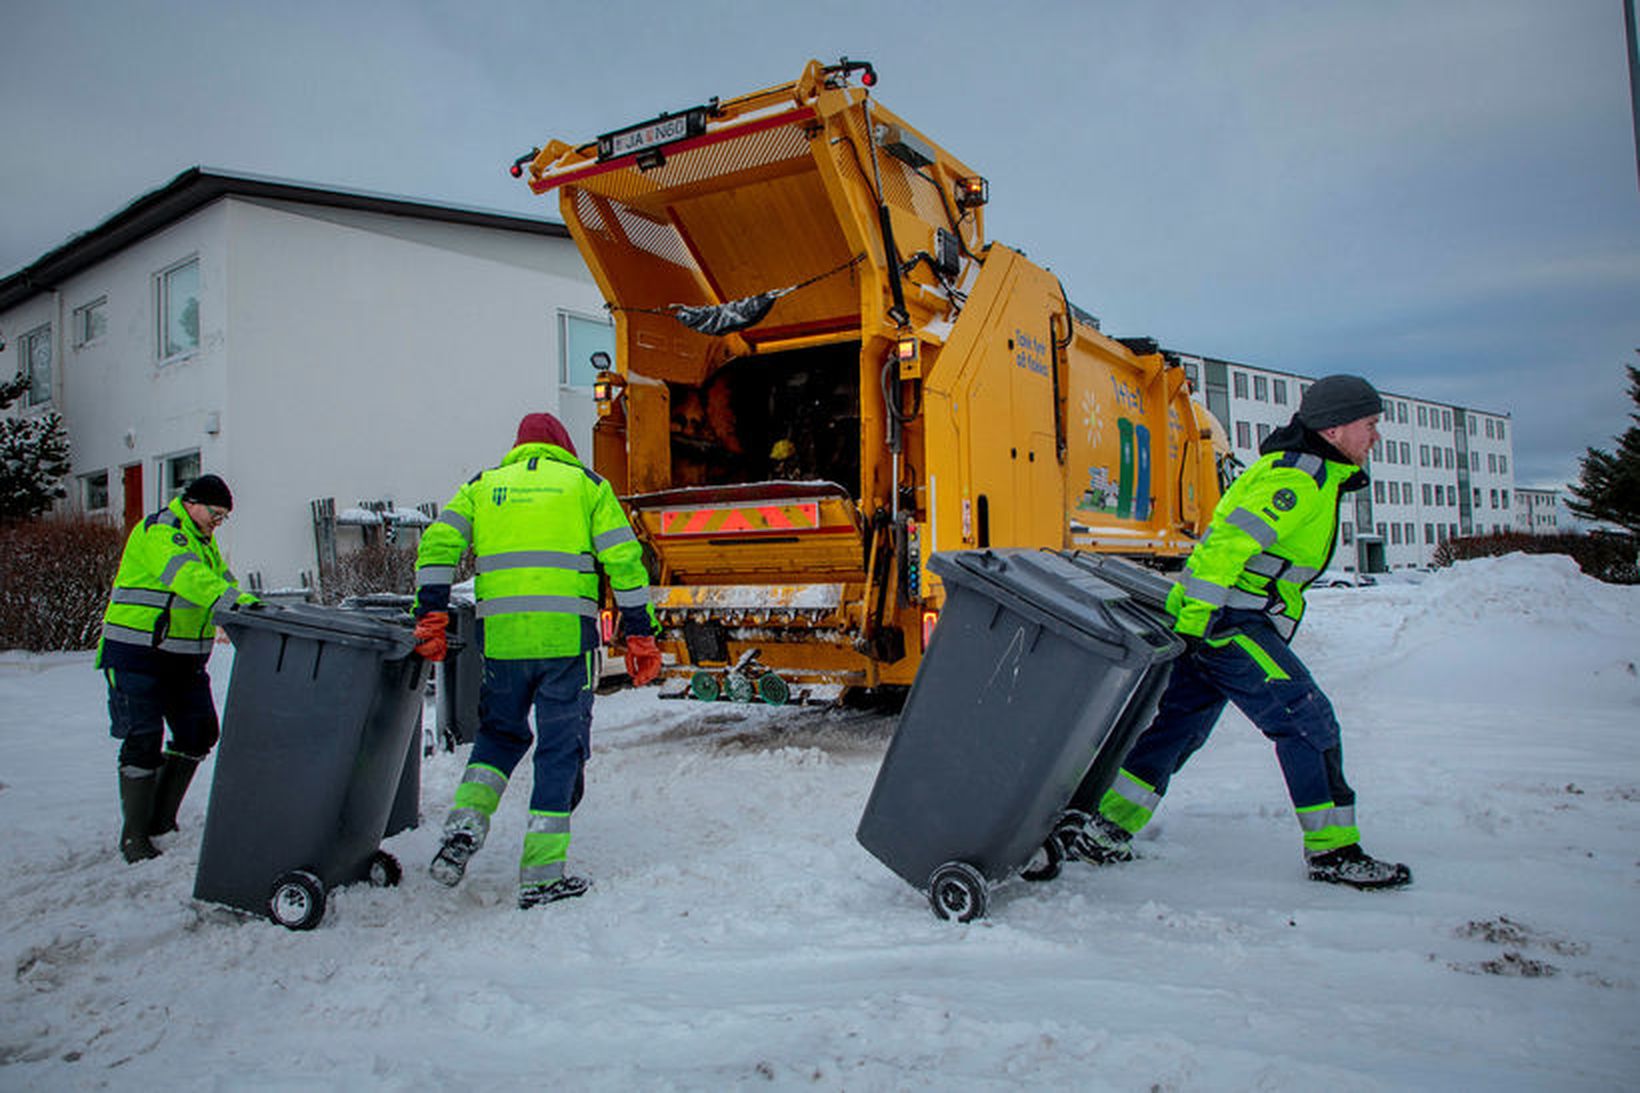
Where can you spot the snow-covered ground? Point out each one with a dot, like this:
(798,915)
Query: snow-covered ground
(738,937)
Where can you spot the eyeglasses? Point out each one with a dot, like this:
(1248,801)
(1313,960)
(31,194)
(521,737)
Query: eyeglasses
(218,516)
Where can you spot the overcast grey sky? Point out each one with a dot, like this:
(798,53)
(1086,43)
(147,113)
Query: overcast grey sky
(1438,194)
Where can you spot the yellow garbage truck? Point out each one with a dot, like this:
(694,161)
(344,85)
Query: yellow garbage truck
(825,372)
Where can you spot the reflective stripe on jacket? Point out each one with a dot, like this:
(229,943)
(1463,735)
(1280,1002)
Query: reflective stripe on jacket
(1272,534)
(540,526)
(170,582)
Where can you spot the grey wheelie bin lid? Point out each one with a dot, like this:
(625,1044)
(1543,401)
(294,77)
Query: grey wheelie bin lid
(322,710)
(1032,664)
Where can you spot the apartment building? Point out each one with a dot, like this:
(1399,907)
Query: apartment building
(1537,511)
(1439,471)
(307,344)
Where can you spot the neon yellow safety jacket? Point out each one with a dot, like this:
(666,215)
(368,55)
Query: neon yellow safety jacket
(170,582)
(1271,535)
(541,525)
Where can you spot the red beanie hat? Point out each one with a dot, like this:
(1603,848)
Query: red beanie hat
(544,429)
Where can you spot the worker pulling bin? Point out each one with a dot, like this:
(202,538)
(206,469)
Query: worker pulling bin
(322,716)
(1041,673)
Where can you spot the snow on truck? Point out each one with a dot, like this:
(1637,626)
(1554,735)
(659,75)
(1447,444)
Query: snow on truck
(825,372)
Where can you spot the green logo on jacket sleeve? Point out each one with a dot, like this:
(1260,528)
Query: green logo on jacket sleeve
(1285,500)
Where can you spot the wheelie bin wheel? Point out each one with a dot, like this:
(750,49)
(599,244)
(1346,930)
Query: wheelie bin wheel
(385,871)
(772,689)
(705,687)
(741,689)
(1046,862)
(956,891)
(297,901)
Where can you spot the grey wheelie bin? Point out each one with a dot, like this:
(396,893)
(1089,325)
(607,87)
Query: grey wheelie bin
(459,678)
(1148,590)
(323,707)
(1033,671)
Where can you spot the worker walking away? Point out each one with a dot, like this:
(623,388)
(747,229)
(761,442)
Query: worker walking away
(157,636)
(1241,600)
(541,526)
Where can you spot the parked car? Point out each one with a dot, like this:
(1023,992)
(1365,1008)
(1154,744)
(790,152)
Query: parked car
(1345,578)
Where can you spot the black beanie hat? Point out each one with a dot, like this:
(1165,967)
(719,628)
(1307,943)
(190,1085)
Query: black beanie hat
(208,489)
(1338,400)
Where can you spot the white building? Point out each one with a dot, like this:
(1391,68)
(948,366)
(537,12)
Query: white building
(1537,511)
(303,343)
(1439,471)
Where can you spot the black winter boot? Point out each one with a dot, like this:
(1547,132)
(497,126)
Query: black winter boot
(174,775)
(1099,842)
(1355,867)
(137,804)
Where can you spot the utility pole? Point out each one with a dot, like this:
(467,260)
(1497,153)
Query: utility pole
(1634,80)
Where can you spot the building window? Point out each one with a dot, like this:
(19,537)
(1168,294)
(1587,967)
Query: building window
(1451,459)
(1503,464)
(1423,454)
(176,471)
(1395,534)
(1500,430)
(1244,435)
(1378,491)
(578,339)
(1492,462)
(1378,449)
(1261,388)
(1349,533)
(1278,391)
(1395,493)
(1263,432)
(1192,376)
(1389,451)
(1406,453)
(1423,415)
(1477,497)
(178,311)
(1493,498)
(1426,493)
(1429,535)
(1401,412)
(91,321)
(1446,420)
(1411,534)
(1453,529)
(1239,380)
(1489,432)
(1381,533)
(1452,496)
(1504,494)
(34,352)
(94,491)
(1474,461)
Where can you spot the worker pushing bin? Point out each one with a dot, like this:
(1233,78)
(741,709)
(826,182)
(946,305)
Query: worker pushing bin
(1037,667)
(323,711)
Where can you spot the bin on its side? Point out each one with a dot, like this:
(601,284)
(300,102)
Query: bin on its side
(460,676)
(1149,591)
(1032,664)
(321,711)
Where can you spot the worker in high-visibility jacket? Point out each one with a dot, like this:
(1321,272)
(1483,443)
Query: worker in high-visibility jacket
(541,526)
(156,638)
(1240,602)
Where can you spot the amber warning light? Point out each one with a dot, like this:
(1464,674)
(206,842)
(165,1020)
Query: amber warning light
(972,192)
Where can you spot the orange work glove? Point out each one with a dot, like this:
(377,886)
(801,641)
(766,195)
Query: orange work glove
(643,660)
(430,641)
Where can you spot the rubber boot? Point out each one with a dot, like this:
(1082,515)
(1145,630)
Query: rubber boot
(137,787)
(174,775)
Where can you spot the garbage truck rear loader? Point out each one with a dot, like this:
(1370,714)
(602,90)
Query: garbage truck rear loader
(825,372)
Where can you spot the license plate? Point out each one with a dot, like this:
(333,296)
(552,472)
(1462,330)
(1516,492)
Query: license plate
(652,134)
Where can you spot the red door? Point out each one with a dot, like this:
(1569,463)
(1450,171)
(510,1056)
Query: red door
(133,496)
